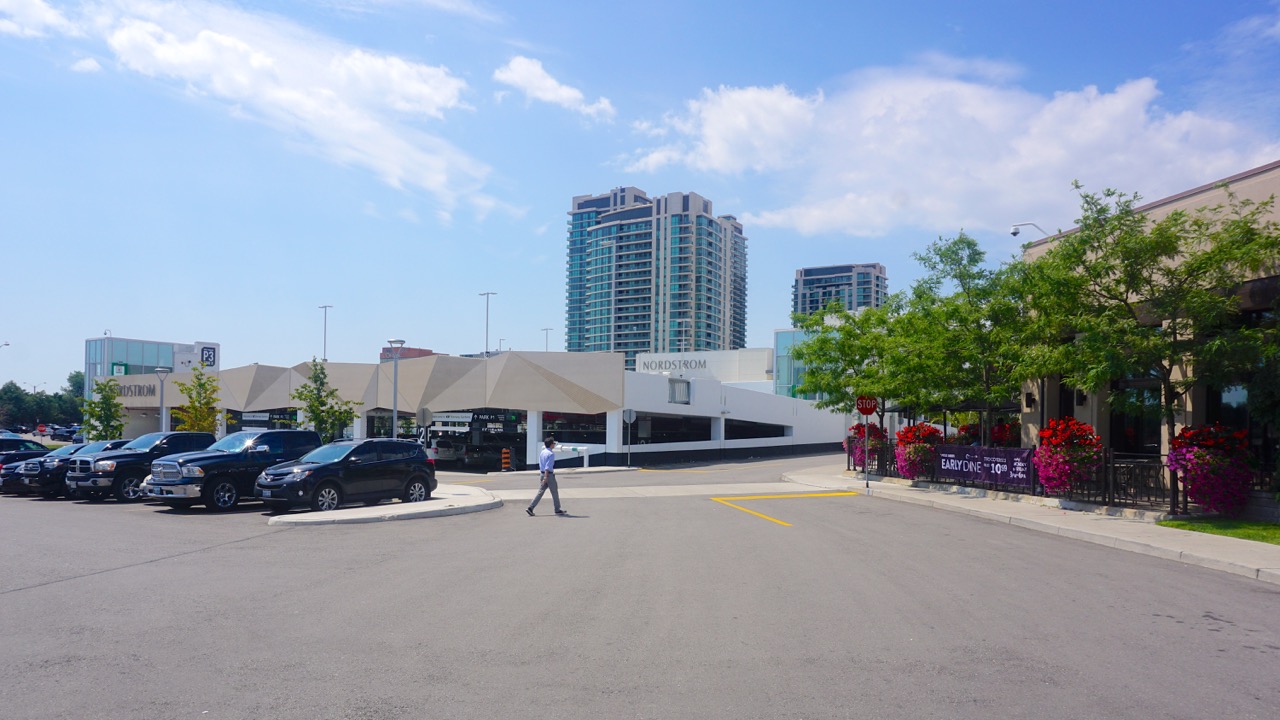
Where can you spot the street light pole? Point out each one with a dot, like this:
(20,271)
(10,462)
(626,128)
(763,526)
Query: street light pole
(486,321)
(324,353)
(162,373)
(500,341)
(546,339)
(395,383)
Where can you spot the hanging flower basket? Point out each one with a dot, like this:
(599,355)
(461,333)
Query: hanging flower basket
(855,442)
(1214,465)
(1069,452)
(915,453)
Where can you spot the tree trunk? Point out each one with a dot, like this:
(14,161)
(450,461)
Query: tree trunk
(1169,400)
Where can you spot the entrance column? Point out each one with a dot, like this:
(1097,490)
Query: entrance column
(532,437)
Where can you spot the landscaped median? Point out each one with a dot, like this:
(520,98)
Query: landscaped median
(1244,529)
(446,500)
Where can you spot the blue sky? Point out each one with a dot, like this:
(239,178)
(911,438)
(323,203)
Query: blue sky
(216,171)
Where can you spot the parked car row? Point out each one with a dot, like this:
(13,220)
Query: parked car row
(284,468)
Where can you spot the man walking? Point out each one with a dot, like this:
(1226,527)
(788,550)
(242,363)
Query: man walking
(547,468)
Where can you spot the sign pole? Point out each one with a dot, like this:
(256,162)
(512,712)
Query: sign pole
(866,405)
(628,417)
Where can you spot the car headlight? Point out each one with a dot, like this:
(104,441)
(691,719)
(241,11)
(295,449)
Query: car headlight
(105,466)
(192,471)
(55,463)
(298,475)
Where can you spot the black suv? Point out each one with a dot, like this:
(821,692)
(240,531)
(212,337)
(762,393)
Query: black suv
(13,451)
(219,476)
(370,470)
(120,472)
(47,474)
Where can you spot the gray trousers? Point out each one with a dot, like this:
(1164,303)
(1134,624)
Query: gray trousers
(555,492)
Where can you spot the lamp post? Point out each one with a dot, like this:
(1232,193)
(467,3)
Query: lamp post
(546,339)
(1013,230)
(486,296)
(324,352)
(395,383)
(500,341)
(162,373)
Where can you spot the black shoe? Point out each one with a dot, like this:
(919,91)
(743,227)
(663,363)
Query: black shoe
(530,511)
(562,512)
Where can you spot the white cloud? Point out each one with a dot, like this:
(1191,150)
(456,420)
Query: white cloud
(408,215)
(33,18)
(465,8)
(920,147)
(86,65)
(527,75)
(351,105)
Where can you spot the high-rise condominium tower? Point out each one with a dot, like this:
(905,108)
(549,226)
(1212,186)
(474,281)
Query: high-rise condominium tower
(659,274)
(855,286)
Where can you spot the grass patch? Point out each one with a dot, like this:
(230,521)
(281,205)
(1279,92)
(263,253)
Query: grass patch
(1244,529)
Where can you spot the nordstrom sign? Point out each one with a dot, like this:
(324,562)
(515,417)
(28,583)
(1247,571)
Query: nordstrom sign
(667,365)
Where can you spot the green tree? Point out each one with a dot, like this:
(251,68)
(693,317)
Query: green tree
(103,415)
(200,413)
(1127,298)
(955,340)
(848,354)
(327,412)
(13,404)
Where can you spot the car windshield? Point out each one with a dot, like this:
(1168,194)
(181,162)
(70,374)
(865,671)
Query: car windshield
(327,453)
(144,442)
(235,442)
(65,450)
(94,447)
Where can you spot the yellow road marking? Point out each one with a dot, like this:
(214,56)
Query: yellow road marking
(725,501)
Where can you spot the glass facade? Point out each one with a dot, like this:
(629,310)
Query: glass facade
(121,356)
(787,372)
(653,275)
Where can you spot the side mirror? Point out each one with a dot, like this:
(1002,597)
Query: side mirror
(258,449)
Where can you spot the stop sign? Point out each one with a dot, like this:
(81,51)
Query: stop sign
(41,428)
(866,405)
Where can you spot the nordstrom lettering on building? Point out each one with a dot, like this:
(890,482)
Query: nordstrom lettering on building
(137,391)
(660,365)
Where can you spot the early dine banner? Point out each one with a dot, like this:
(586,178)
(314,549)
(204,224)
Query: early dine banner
(994,466)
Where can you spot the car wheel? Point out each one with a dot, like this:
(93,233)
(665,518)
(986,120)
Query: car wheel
(223,496)
(71,494)
(128,489)
(327,497)
(416,490)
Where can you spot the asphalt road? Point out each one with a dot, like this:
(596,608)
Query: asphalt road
(660,607)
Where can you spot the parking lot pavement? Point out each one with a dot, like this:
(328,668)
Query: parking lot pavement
(1257,560)
(446,500)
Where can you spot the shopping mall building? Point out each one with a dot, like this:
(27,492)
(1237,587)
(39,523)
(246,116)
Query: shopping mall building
(684,406)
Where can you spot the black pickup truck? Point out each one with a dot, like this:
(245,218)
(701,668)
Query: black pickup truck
(224,473)
(120,473)
(47,474)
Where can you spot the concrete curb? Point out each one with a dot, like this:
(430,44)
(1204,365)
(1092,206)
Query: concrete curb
(1246,558)
(445,501)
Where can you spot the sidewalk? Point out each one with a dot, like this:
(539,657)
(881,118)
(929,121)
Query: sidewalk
(446,500)
(1134,532)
